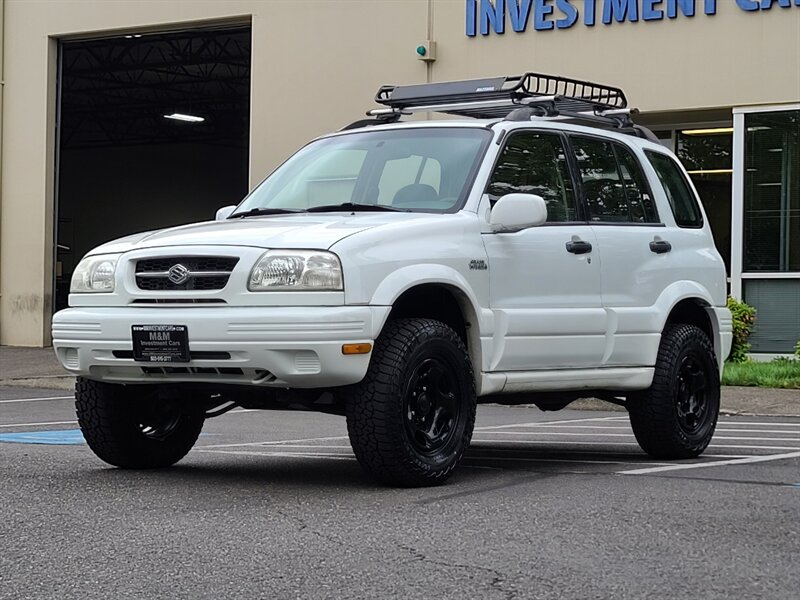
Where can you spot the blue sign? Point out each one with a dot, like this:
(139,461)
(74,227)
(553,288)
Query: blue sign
(487,16)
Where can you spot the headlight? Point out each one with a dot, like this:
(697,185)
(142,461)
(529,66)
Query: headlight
(296,270)
(94,274)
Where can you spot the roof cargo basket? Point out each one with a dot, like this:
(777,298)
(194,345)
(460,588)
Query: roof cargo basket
(513,98)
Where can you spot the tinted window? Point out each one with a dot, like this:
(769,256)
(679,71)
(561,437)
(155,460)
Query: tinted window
(640,202)
(535,163)
(602,181)
(681,198)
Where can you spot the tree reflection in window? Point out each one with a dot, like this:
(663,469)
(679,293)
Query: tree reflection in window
(535,163)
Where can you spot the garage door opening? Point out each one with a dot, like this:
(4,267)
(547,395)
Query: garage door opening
(153,131)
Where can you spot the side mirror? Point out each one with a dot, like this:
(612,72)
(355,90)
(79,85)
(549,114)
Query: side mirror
(514,212)
(225,212)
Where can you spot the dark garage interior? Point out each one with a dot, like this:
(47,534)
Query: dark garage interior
(153,131)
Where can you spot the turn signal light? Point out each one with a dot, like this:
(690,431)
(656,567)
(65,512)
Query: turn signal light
(356,348)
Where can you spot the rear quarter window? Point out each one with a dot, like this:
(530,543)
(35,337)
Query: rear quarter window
(681,198)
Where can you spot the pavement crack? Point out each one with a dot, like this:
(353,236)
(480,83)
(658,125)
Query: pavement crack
(537,476)
(302,526)
(499,580)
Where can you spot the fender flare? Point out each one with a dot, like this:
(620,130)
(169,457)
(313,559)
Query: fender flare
(677,292)
(406,278)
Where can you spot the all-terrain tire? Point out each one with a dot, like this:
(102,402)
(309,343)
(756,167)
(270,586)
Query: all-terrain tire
(130,426)
(411,417)
(677,416)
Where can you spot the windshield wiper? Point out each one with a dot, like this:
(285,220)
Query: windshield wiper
(352,206)
(257,212)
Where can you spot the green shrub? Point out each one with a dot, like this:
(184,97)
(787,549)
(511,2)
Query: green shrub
(797,349)
(744,316)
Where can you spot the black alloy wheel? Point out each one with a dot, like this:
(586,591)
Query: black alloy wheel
(431,406)
(691,394)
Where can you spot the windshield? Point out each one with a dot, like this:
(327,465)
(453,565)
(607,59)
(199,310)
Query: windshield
(423,169)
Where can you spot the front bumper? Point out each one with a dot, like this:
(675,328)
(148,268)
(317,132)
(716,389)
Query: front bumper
(297,347)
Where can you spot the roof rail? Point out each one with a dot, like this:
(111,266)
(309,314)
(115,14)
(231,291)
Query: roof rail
(517,97)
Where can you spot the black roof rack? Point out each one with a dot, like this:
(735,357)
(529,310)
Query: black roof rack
(513,98)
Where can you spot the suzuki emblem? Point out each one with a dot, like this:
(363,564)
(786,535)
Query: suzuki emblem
(178,274)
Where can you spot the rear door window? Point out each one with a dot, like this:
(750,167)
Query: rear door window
(613,183)
(637,192)
(601,180)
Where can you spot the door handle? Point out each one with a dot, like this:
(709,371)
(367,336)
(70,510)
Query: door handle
(660,246)
(579,247)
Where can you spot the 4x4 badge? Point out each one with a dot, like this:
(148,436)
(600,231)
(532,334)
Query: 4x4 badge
(478,265)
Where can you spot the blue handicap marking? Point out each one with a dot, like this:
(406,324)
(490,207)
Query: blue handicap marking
(62,437)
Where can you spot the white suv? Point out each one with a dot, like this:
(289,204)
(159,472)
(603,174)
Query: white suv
(395,272)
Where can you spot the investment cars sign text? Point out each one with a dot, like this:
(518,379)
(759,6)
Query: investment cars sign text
(486,16)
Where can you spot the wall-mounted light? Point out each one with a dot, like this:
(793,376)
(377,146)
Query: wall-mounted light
(134,35)
(711,131)
(187,118)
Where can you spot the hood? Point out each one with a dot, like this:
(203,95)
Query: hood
(313,231)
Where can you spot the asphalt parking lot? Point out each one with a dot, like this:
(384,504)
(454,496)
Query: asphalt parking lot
(273,505)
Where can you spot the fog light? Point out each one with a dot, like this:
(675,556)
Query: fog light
(356,348)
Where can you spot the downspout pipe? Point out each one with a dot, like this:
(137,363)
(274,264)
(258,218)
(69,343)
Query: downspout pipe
(2,87)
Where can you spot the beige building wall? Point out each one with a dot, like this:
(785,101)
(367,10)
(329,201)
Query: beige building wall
(733,58)
(316,66)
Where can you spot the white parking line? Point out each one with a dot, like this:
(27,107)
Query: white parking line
(35,424)
(330,456)
(628,428)
(579,434)
(538,424)
(614,443)
(771,424)
(276,442)
(37,399)
(716,463)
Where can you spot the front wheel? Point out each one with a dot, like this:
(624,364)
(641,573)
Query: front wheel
(411,418)
(677,416)
(133,427)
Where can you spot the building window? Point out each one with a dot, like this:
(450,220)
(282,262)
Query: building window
(777,326)
(772,192)
(707,154)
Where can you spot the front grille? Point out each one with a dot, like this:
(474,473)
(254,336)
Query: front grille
(198,273)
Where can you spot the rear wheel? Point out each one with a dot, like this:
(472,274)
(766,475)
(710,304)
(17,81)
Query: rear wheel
(133,427)
(411,418)
(677,416)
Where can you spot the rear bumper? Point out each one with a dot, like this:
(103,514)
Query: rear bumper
(299,347)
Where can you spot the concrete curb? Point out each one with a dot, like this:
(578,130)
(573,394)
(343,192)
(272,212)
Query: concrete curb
(50,382)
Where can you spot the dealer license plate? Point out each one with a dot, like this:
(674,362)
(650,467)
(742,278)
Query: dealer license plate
(160,343)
